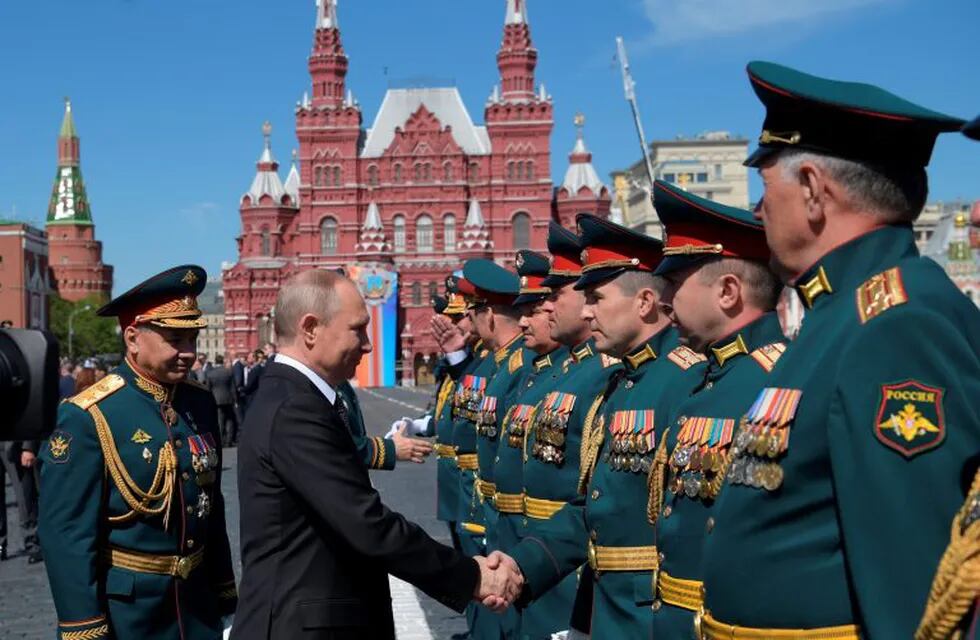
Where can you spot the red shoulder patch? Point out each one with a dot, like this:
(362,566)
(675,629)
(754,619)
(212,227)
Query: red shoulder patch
(910,417)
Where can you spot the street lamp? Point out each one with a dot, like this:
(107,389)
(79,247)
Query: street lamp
(71,329)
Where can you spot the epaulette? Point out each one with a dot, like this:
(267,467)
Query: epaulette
(685,357)
(608,361)
(484,353)
(768,355)
(879,293)
(516,361)
(194,383)
(98,391)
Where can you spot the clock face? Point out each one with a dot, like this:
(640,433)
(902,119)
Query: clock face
(65,207)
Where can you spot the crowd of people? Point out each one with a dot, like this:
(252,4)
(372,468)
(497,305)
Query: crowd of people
(629,443)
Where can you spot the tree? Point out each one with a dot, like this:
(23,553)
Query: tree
(92,335)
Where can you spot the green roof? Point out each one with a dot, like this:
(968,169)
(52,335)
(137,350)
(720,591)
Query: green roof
(68,124)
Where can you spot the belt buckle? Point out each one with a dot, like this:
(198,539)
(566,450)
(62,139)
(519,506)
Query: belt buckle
(184,568)
(593,558)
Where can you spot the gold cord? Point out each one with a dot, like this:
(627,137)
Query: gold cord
(592,437)
(656,479)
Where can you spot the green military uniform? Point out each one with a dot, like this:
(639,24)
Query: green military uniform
(685,483)
(846,469)
(375,452)
(132,517)
(606,525)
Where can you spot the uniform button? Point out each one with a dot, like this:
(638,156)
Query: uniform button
(709,525)
(190,543)
(709,385)
(178,443)
(681,421)
(667,511)
(190,509)
(185,476)
(661,557)
(530,383)
(629,384)
(497,459)
(593,535)
(595,494)
(524,521)
(656,605)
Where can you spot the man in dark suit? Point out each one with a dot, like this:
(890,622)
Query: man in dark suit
(238,371)
(317,542)
(254,367)
(221,381)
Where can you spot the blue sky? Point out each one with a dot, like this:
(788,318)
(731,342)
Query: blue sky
(169,97)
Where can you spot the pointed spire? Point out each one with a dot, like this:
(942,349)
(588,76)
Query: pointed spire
(581,173)
(326,14)
(475,235)
(372,221)
(267,181)
(516,12)
(292,181)
(68,123)
(579,148)
(474,217)
(266,157)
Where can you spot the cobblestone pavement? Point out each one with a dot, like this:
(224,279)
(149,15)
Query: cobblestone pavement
(27,611)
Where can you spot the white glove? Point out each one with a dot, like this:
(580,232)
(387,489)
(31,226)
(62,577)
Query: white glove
(420,425)
(397,425)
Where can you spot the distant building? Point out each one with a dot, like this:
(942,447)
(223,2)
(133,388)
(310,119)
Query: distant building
(954,242)
(211,341)
(24,282)
(932,214)
(708,165)
(400,203)
(76,256)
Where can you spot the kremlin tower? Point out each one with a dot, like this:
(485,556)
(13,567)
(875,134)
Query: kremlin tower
(75,256)
(399,204)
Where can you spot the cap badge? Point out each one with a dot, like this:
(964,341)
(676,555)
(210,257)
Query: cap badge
(520,260)
(786,137)
(585,256)
(523,281)
(189,278)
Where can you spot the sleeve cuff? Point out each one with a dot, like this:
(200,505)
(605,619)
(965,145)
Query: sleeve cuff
(455,357)
(88,629)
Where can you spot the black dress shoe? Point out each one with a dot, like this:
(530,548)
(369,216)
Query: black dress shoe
(3,552)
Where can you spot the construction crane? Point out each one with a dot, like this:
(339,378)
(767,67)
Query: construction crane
(630,88)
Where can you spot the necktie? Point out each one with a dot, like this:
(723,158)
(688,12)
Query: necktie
(343,411)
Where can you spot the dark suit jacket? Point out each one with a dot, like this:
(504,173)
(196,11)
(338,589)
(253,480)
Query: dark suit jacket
(238,370)
(251,385)
(317,543)
(221,380)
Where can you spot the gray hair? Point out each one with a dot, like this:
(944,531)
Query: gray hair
(313,292)
(891,194)
(632,282)
(761,286)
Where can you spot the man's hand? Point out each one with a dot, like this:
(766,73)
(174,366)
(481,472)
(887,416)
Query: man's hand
(447,335)
(410,448)
(27,459)
(501,581)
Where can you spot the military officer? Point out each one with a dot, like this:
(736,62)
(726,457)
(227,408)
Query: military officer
(869,418)
(606,525)
(721,296)
(551,467)
(132,517)
(546,368)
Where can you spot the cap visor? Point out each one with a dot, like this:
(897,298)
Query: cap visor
(558,281)
(529,298)
(759,156)
(671,264)
(597,276)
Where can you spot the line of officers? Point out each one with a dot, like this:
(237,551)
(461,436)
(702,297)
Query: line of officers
(626,421)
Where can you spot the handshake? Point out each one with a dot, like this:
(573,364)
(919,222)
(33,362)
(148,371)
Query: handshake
(501,581)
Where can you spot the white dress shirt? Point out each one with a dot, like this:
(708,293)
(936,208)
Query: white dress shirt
(319,382)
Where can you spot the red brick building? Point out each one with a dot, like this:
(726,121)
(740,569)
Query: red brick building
(417,192)
(23,275)
(75,255)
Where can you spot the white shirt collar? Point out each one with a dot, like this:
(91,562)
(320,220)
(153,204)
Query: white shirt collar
(317,381)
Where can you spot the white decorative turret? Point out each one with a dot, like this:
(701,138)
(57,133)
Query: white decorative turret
(372,238)
(292,181)
(476,236)
(326,15)
(516,12)
(581,174)
(267,181)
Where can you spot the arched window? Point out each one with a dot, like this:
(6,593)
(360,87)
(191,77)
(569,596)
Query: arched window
(399,224)
(520,171)
(433,290)
(522,231)
(474,172)
(427,172)
(318,176)
(449,232)
(529,170)
(423,234)
(266,248)
(328,237)
(417,169)
(336,176)
(397,173)
(510,170)
(416,293)
(447,172)
(373,175)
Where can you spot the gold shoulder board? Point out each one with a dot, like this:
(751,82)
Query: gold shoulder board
(98,391)
(608,361)
(685,357)
(516,361)
(768,355)
(879,293)
(194,383)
